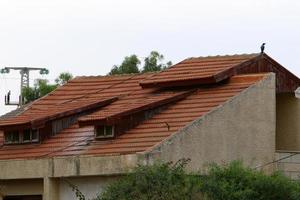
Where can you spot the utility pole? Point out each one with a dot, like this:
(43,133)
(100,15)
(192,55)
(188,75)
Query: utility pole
(24,72)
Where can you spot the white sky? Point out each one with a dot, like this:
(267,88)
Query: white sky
(87,37)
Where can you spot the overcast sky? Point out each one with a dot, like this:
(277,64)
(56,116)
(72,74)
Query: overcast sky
(87,37)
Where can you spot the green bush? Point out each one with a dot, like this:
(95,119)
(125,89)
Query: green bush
(235,182)
(157,182)
(222,182)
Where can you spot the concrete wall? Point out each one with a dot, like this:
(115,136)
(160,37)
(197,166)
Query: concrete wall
(288,122)
(289,164)
(49,173)
(69,166)
(55,188)
(243,128)
(89,186)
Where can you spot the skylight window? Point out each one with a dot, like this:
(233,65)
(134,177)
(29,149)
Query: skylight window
(104,131)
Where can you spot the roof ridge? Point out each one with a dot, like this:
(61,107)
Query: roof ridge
(225,55)
(114,75)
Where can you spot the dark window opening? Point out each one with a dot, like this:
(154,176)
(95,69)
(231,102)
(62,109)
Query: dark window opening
(21,136)
(34,135)
(26,135)
(24,197)
(104,131)
(12,137)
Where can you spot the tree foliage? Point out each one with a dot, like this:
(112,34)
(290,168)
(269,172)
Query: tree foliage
(154,62)
(222,182)
(131,64)
(42,87)
(157,182)
(236,182)
(63,78)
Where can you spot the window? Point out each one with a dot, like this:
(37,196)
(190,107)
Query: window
(104,131)
(22,136)
(34,135)
(26,135)
(12,137)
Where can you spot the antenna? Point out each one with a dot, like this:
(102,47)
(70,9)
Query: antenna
(24,71)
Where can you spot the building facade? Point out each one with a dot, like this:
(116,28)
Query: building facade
(94,129)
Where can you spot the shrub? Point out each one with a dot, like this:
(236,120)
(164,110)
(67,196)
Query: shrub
(222,182)
(235,182)
(157,182)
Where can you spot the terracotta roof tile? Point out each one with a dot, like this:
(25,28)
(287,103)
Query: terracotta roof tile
(201,70)
(182,105)
(63,102)
(77,140)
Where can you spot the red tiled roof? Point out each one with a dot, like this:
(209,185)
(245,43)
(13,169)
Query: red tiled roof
(77,140)
(83,93)
(135,102)
(201,70)
(113,97)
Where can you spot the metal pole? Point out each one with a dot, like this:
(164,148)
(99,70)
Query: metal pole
(24,71)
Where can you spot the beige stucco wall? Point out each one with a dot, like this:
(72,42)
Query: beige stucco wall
(289,163)
(56,188)
(50,173)
(243,129)
(288,122)
(89,186)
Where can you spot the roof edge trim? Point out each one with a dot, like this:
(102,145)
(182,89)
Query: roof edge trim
(181,95)
(74,111)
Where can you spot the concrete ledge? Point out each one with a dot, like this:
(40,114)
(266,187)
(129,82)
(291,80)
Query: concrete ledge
(93,165)
(25,169)
(69,166)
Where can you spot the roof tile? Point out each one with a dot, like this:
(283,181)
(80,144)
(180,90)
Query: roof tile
(201,70)
(194,102)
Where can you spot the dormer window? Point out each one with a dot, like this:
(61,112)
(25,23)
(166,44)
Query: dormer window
(22,136)
(26,135)
(12,137)
(34,135)
(104,131)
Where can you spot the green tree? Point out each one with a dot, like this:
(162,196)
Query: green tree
(63,78)
(154,62)
(222,182)
(129,65)
(42,87)
(157,182)
(235,182)
(29,94)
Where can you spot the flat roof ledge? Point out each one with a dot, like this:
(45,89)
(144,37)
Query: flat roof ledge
(68,166)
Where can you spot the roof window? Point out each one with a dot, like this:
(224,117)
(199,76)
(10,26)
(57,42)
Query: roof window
(104,131)
(21,136)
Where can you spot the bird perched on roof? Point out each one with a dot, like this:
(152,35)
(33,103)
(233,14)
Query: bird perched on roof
(262,47)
